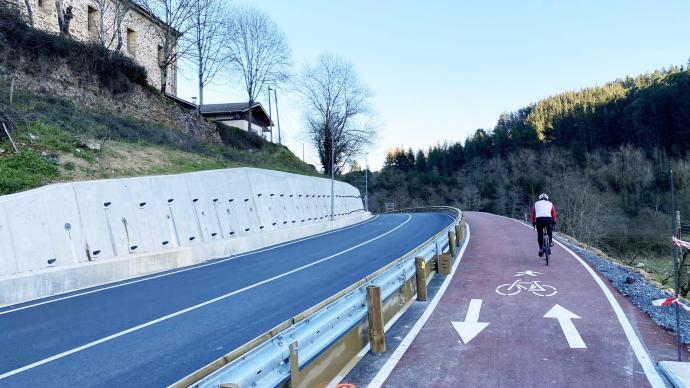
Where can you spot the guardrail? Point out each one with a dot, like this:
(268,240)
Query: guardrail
(274,357)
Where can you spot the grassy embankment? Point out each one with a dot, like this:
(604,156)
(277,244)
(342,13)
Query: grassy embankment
(52,135)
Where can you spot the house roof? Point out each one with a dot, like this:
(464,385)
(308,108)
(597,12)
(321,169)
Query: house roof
(182,102)
(213,110)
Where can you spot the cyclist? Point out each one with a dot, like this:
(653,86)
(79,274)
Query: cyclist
(544,217)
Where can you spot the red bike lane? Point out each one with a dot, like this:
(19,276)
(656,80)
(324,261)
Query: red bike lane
(508,320)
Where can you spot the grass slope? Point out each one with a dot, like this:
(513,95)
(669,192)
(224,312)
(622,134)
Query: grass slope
(53,133)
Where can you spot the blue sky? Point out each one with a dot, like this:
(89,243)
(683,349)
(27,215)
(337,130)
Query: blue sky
(465,62)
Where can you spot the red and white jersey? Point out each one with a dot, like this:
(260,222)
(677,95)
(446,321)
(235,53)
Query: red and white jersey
(543,208)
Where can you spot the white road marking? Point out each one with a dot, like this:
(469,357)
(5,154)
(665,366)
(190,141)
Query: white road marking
(528,273)
(471,327)
(191,268)
(565,319)
(643,357)
(208,302)
(395,357)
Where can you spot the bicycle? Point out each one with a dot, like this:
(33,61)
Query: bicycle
(546,244)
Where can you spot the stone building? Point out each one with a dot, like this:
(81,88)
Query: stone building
(140,31)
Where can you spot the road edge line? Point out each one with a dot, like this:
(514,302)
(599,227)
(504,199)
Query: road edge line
(633,339)
(396,356)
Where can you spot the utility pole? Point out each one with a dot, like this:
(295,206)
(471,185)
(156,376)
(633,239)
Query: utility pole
(303,152)
(270,113)
(275,94)
(332,175)
(676,262)
(366,185)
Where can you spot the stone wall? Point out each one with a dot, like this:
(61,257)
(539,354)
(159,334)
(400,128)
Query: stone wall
(147,32)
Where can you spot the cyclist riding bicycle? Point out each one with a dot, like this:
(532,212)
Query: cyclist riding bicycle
(544,217)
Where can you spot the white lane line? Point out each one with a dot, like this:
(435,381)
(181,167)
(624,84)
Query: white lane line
(185,269)
(638,348)
(188,309)
(393,360)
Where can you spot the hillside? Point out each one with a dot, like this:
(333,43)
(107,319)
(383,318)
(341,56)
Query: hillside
(81,112)
(603,154)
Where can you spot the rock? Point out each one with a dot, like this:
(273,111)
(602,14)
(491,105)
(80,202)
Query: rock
(44,154)
(78,150)
(630,280)
(2,151)
(640,265)
(32,137)
(93,146)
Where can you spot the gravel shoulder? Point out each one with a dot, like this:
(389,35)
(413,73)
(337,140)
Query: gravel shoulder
(639,290)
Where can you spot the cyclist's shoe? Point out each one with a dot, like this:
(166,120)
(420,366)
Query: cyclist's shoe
(549,251)
(541,252)
(550,244)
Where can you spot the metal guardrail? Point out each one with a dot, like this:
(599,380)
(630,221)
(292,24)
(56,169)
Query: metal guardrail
(264,362)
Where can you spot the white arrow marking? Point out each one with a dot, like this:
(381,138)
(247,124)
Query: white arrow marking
(471,327)
(565,319)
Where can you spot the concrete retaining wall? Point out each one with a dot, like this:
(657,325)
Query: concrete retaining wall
(63,237)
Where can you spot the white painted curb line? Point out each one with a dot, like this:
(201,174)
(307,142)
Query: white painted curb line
(393,360)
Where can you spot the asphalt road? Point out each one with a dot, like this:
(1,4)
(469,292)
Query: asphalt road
(153,331)
(507,320)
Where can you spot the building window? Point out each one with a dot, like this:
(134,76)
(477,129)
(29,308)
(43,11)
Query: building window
(91,20)
(131,41)
(160,56)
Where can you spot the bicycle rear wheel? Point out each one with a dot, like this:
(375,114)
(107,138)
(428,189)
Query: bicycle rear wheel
(547,250)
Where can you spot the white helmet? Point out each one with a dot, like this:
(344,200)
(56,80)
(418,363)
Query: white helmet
(544,197)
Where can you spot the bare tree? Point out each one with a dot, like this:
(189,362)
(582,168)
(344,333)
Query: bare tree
(258,51)
(208,35)
(64,17)
(337,111)
(30,11)
(176,17)
(111,15)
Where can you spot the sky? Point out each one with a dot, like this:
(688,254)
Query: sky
(441,69)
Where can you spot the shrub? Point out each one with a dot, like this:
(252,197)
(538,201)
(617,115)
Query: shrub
(25,170)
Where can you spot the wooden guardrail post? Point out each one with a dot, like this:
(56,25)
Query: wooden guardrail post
(294,365)
(229,386)
(445,263)
(377,339)
(451,243)
(458,234)
(420,277)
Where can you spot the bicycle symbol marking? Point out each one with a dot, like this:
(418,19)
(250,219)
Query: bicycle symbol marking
(534,286)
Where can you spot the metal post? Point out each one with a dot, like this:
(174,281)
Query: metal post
(11,90)
(676,227)
(420,277)
(332,176)
(270,113)
(275,94)
(366,186)
(294,365)
(377,339)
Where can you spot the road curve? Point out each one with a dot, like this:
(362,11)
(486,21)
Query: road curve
(155,330)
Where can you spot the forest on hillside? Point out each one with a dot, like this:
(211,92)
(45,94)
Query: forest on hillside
(603,154)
